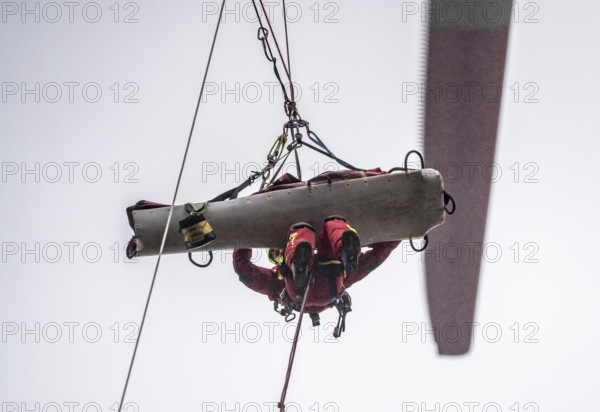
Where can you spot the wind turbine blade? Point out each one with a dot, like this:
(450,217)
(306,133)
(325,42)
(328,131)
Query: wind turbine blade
(465,70)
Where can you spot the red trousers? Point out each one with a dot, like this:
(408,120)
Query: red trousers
(328,273)
(328,282)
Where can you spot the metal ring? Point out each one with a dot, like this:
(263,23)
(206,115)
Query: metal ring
(412,245)
(449,199)
(200,265)
(131,249)
(418,154)
(265,33)
(290,317)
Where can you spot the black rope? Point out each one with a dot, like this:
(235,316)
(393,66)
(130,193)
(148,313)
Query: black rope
(405,168)
(268,52)
(287,49)
(201,265)
(295,120)
(422,248)
(449,199)
(325,151)
(418,154)
(234,192)
(284,159)
(162,245)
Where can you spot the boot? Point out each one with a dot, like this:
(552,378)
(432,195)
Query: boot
(301,263)
(350,251)
(299,252)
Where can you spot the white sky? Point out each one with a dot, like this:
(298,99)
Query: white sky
(352,73)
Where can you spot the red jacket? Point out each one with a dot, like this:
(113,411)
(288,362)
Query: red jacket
(328,279)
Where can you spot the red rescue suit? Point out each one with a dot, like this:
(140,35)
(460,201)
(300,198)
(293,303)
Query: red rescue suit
(329,279)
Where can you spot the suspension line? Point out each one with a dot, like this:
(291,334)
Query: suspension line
(162,244)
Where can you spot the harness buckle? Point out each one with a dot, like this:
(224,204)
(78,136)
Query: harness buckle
(283,306)
(343,306)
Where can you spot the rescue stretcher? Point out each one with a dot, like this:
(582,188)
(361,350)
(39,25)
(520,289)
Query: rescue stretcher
(392,206)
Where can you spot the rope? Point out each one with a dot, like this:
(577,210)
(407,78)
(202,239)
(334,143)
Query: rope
(263,37)
(284,160)
(295,120)
(287,72)
(281,404)
(292,92)
(162,244)
(287,48)
(325,150)
(298,166)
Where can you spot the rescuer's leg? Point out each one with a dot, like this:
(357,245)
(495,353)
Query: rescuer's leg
(339,241)
(299,252)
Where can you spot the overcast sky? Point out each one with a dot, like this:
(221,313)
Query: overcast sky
(97,101)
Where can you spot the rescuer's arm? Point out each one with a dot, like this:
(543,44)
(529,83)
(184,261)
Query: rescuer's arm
(261,280)
(370,260)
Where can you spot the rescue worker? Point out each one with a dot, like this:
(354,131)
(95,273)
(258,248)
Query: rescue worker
(338,264)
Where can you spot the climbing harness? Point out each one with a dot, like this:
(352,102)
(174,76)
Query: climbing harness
(283,305)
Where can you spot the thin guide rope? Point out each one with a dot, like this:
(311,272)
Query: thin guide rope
(287,72)
(162,244)
(287,48)
(293,350)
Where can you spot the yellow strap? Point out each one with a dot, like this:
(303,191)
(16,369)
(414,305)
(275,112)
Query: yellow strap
(196,211)
(330,262)
(204,207)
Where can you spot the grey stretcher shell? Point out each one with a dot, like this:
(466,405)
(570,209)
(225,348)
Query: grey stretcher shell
(387,207)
